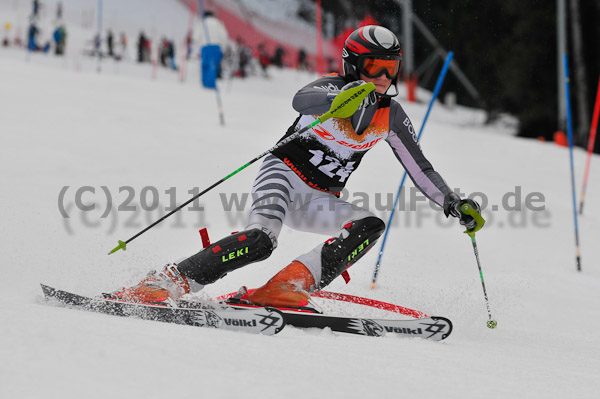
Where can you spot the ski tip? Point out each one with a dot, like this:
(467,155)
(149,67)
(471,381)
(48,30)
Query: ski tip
(47,290)
(373,285)
(446,321)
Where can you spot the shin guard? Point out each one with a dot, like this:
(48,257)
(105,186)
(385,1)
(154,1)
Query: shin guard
(226,255)
(340,253)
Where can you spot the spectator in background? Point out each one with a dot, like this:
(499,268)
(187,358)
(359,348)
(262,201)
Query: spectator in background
(302,60)
(188,45)
(244,55)
(147,50)
(171,55)
(18,41)
(60,40)
(163,51)
(6,41)
(110,43)
(32,36)
(35,9)
(59,11)
(124,50)
(32,33)
(217,34)
(277,59)
(263,59)
(143,47)
(166,53)
(97,45)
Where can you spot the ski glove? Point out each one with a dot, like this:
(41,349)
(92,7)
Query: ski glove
(452,206)
(370,99)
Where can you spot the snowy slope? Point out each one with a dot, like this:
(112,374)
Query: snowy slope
(63,127)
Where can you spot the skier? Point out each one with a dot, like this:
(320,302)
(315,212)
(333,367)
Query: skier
(299,183)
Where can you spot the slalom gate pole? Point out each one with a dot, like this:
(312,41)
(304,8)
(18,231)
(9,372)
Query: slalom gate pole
(570,131)
(217,92)
(99,44)
(343,105)
(320,66)
(468,210)
(183,74)
(591,143)
(436,91)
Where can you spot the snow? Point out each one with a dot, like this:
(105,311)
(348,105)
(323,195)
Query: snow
(277,10)
(63,124)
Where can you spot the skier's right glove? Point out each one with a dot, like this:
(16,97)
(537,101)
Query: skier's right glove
(370,99)
(452,206)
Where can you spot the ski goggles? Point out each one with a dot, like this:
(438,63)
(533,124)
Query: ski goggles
(375,66)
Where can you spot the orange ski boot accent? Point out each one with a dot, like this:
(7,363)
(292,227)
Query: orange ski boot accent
(165,287)
(288,288)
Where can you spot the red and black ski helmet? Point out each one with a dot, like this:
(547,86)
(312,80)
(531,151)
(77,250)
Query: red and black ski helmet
(368,43)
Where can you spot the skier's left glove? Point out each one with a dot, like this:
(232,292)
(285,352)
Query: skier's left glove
(370,99)
(452,206)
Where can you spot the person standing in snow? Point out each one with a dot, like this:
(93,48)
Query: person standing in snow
(143,48)
(124,51)
(299,183)
(110,43)
(217,34)
(244,56)
(35,8)
(60,39)
(263,59)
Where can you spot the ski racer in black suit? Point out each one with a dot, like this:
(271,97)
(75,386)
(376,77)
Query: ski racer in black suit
(298,185)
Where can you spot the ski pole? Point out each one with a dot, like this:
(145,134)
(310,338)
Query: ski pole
(343,105)
(591,142)
(468,210)
(436,90)
(570,131)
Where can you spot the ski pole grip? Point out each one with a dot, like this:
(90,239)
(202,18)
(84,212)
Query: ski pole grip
(345,104)
(468,210)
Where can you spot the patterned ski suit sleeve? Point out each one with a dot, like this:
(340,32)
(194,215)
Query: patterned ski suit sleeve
(315,98)
(403,140)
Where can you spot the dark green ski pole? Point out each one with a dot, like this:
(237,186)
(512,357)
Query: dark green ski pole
(344,105)
(468,210)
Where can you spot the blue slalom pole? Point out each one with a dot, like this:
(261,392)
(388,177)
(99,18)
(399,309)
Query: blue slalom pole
(570,134)
(216,87)
(436,91)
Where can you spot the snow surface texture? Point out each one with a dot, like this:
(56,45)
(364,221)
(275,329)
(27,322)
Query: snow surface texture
(63,124)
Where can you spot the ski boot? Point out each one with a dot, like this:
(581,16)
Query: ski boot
(288,289)
(159,288)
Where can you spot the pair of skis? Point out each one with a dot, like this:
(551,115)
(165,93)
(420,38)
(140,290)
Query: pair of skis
(238,316)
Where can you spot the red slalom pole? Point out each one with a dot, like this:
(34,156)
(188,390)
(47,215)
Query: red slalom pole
(320,67)
(591,142)
(189,37)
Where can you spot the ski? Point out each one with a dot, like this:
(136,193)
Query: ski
(266,321)
(237,315)
(434,328)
